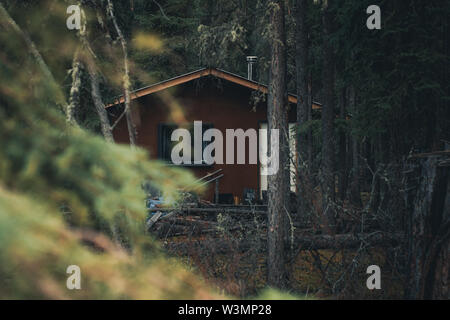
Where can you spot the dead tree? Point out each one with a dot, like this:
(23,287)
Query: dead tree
(428,226)
(98,102)
(94,77)
(126,77)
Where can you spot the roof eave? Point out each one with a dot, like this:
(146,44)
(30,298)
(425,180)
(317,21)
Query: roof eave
(199,74)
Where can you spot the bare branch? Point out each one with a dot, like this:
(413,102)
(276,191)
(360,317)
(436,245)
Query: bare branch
(6,19)
(126,79)
(161,10)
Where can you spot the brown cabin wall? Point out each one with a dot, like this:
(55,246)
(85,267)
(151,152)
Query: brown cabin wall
(226,108)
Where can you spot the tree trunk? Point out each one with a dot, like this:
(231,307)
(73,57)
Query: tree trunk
(428,230)
(49,80)
(310,133)
(132,131)
(89,59)
(328,180)
(354,190)
(342,187)
(74,99)
(277,119)
(99,105)
(303,99)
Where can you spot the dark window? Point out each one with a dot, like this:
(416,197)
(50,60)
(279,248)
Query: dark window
(165,144)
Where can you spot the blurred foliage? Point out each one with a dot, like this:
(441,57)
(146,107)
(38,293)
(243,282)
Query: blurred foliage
(68,197)
(37,247)
(272,294)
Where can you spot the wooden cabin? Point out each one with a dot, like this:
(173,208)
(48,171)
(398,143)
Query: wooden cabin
(220,100)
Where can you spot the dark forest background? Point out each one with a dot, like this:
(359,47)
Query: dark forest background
(372,181)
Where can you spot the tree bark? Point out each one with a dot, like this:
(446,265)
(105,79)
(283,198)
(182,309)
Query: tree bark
(74,99)
(98,102)
(132,131)
(303,106)
(342,187)
(328,139)
(310,133)
(277,119)
(428,230)
(354,190)
(89,56)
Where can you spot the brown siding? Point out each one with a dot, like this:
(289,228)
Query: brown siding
(226,106)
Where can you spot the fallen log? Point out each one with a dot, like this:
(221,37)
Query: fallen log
(350,241)
(224,210)
(189,222)
(179,226)
(304,242)
(172,230)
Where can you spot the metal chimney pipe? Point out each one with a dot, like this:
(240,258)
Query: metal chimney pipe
(250,61)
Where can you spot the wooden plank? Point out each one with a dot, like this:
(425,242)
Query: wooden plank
(252,85)
(163,85)
(153,219)
(240,81)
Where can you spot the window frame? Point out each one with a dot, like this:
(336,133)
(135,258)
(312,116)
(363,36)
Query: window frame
(162,143)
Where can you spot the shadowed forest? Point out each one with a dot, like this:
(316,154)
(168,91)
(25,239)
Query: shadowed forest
(364,149)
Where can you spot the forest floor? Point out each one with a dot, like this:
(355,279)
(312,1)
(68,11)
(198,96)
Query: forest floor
(317,274)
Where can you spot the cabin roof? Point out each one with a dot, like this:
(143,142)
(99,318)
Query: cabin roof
(190,76)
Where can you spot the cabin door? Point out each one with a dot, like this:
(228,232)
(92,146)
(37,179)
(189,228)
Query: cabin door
(292,157)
